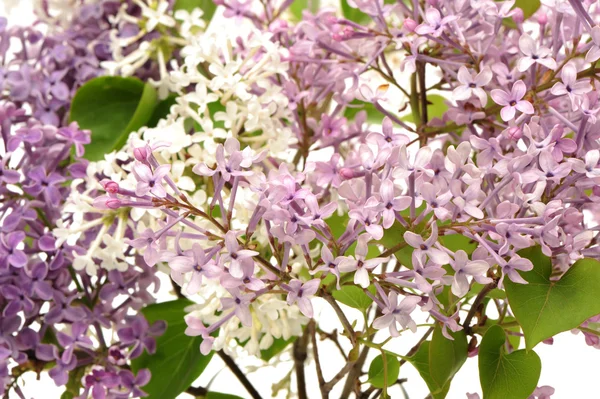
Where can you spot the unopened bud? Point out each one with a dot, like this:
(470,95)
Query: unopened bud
(141,153)
(346,173)
(410,24)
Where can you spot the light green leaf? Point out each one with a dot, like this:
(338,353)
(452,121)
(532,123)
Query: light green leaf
(177,362)
(373,114)
(353,296)
(439,360)
(380,375)
(436,108)
(354,14)
(208,7)
(112,107)
(503,375)
(529,7)
(545,308)
(300,5)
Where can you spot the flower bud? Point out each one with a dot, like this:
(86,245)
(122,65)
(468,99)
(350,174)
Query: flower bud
(518,16)
(410,24)
(141,153)
(346,173)
(110,186)
(542,18)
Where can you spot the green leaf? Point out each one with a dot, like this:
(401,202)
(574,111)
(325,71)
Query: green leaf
(513,339)
(529,7)
(217,395)
(300,5)
(440,359)
(373,114)
(162,110)
(545,308)
(338,224)
(353,296)
(279,344)
(436,108)
(420,361)
(503,375)
(378,375)
(112,107)
(208,7)
(354,14)
(446,356)
(454,242)
(177,362)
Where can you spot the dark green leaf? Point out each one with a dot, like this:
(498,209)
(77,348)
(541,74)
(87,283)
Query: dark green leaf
(217,395)
(208,7)
(279,344)
(352,296)
(513,339)
(439,360)
(177,362)
(505,375)
(112,107)
(162,110)
(379,376)
(545,308)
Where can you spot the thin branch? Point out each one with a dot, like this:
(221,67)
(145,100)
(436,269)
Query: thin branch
(312,330)
(415,348)
(340,313)
(480,297)
(239,374)
(300,355)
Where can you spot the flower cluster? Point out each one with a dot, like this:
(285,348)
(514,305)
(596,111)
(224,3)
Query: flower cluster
(52,316)
(401,158)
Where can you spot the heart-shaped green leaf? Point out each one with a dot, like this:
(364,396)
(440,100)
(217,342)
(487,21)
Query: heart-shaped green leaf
(177,362)
(112,107)
(353,296)
(545,308)
(504,375)
(384,374)
(439,360)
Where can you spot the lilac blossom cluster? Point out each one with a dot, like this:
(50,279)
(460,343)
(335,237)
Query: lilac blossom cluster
(54,317)
(512,163)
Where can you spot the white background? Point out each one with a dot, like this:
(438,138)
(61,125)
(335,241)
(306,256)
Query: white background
(570,366)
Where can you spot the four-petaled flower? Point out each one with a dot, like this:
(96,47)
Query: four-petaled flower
(300,294)
(512,101)
(472,85)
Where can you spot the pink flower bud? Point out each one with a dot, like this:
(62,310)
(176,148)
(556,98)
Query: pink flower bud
(542,18)
(110,186)
(518,16)
(410,24)
(141,153)
(513,133)
(346,173)
(113,203)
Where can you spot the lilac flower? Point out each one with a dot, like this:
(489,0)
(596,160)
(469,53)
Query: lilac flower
(317,215)
(240,303)
(196,262)
(534,54)
(330,265)
(427,246)
(235,255)
(299,293)
(512,101)
(40,182)
(10,254)
(359,263)
(589,166)
(437,202)
(390,204)
(99,382)
(194,328)
(8,176)
(226,167)
(463,268)
(147,240)
(593,53)
(552,170)
(369,219)
(570,86)
(138,333)
(131,384)
(510,269)
(387,137)
(395,313)
(472,85)
(149,181)
(434,24)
